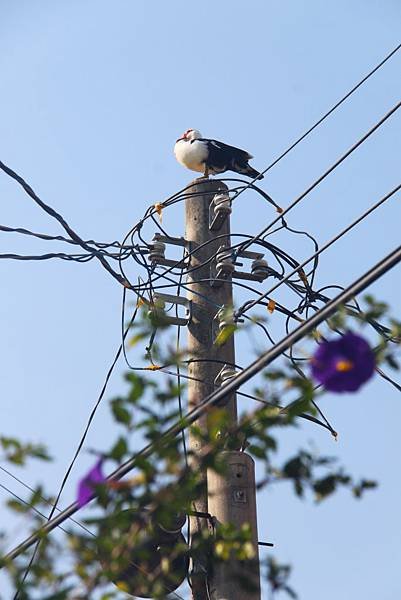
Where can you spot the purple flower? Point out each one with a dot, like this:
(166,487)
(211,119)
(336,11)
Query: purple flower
(344,364)
(86,486)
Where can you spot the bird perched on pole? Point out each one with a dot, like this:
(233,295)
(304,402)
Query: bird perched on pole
(211,157)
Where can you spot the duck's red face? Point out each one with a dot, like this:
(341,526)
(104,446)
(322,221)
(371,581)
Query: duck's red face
(186,133)
(190,135)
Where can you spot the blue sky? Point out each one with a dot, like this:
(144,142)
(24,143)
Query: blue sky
(93,96)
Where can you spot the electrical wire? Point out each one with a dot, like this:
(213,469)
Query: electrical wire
(249,305)
(53,213)
(125,252)
(358,286)
(70,466)
(46,500)
(327,114)
(326,173)
(27,504)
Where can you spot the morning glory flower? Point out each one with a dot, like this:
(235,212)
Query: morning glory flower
(86,486)
(343,364)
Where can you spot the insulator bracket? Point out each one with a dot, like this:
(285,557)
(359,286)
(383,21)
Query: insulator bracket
(226,374)
(219,210)
(224,267)
(160,300)
(157,247)
(225,317)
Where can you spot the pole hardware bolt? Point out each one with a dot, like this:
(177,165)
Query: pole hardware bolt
(239,496)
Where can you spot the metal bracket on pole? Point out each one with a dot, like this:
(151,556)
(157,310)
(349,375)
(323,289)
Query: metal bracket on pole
(224,268)
(157,249)
(160,300)
(259,267)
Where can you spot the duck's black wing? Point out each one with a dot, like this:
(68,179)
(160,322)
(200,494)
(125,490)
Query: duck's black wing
(222,157)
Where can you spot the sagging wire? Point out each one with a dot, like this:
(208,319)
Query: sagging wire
(104,263)
(323,248)
(58,217)
(305,303)
(358,286)
(277,252)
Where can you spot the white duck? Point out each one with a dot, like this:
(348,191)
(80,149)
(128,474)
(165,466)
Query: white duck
(211,157)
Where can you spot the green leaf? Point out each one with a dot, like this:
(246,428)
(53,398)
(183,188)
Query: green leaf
(18,453)
(6,442)
(119,449)
(138,385)
(365,484)
(392,362)
(138,337)
(37,496)
(274,375)
(38,451)
(62,595)
(325,487)
(225,334)
(294,468)
(368,484)
(17,506)
(158,317)
(257,451)
(120,413)
(298,407)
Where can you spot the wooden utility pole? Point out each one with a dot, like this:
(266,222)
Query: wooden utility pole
(233,498)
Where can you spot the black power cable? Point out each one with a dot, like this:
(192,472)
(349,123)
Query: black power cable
(377,271)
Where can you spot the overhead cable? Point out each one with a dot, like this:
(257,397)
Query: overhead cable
(372,275)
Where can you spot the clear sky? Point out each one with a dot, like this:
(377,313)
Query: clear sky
(93,95)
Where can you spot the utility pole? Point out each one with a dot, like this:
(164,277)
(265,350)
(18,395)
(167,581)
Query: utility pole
(230,498)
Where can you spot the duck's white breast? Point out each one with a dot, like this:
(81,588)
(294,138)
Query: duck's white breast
(191,154)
